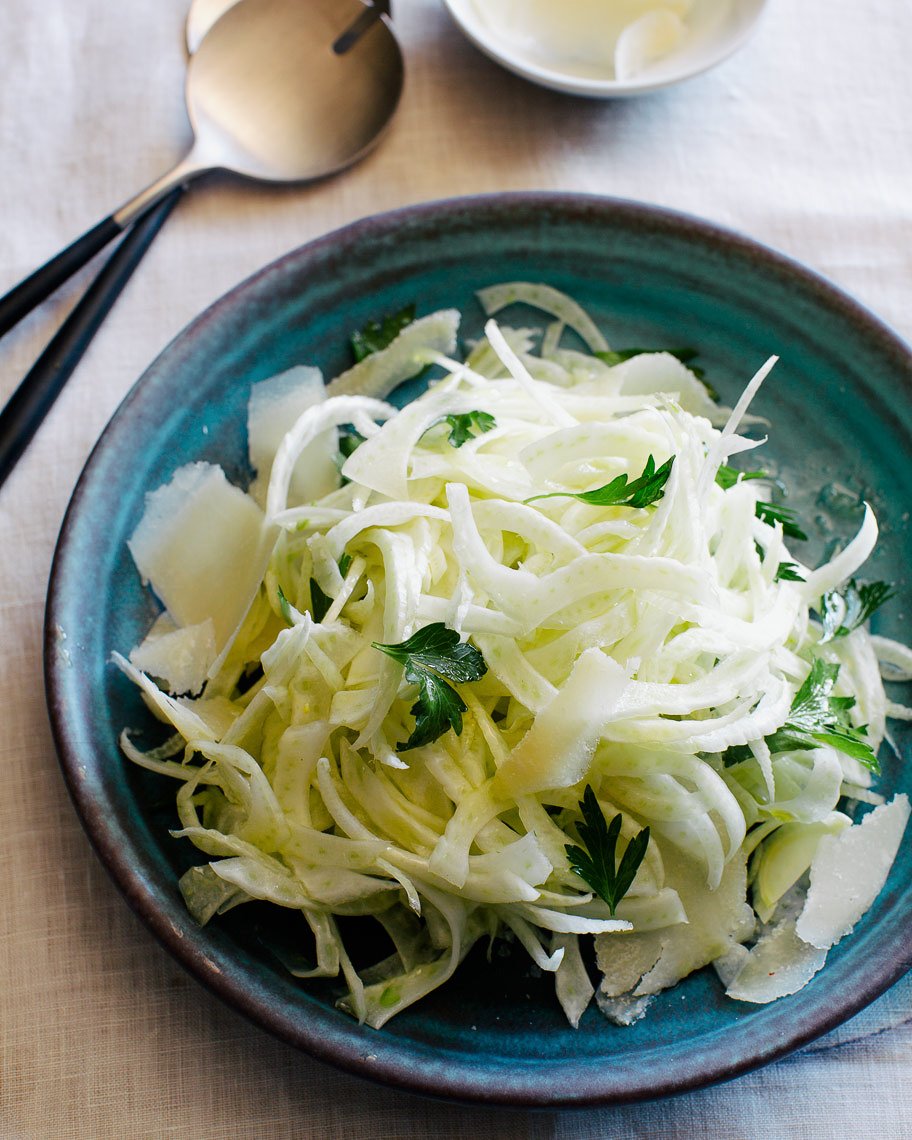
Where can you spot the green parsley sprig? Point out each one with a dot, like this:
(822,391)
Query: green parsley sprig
(685,355)
(770,513)
(319,602)
(816,717)
(788,572)
(466,425)
(430,655)
(349,441)
(377,335)
(644,491)
(597,864)
(841,612)
(727,476)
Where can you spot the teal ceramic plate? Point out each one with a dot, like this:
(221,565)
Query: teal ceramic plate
(840,404)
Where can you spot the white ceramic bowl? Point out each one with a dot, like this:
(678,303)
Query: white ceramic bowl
(715,34)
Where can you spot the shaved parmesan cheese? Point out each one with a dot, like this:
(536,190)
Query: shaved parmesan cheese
(654,35)
(652,372)
(643,963)
(275,404)
(199,545)
(617,37)
(624,962)
(557,751)
(781,963)
(622,1011)
(848,872)
(179,656)
(378,374)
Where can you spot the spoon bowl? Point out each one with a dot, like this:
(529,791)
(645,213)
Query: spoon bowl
(278,90)
(237,110)
(200,18)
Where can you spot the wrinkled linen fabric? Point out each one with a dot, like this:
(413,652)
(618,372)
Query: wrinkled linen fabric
(801,140)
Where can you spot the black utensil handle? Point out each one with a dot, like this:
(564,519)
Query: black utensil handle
(22,298)
(34,397)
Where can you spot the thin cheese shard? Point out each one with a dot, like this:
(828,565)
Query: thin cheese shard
(848,873)
(274,405)
(644,963)
(557,750)
(780,964)
(198,545)
(180,656)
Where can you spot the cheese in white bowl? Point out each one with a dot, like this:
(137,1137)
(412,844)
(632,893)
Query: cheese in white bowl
(615,39)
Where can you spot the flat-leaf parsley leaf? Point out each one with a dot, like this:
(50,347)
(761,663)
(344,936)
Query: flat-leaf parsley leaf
(466,425)
(430,655)
(841,612)
(727,476)
(597,864)
(788,572)
(770,513)
(319,602)
(817,717)
(380,334)
(615,356)
(641,492)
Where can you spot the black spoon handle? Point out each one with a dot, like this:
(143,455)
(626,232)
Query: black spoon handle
(22,298)
(34,397)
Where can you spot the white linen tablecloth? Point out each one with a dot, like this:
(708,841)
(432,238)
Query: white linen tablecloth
(802,140)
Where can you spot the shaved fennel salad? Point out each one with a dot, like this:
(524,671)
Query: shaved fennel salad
(535,658)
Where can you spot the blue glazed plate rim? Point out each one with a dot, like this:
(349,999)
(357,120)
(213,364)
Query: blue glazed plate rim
(387,1059)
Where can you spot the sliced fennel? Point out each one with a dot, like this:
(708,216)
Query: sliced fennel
(645,648)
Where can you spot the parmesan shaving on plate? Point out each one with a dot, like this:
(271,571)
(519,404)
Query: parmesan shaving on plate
(528,659)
